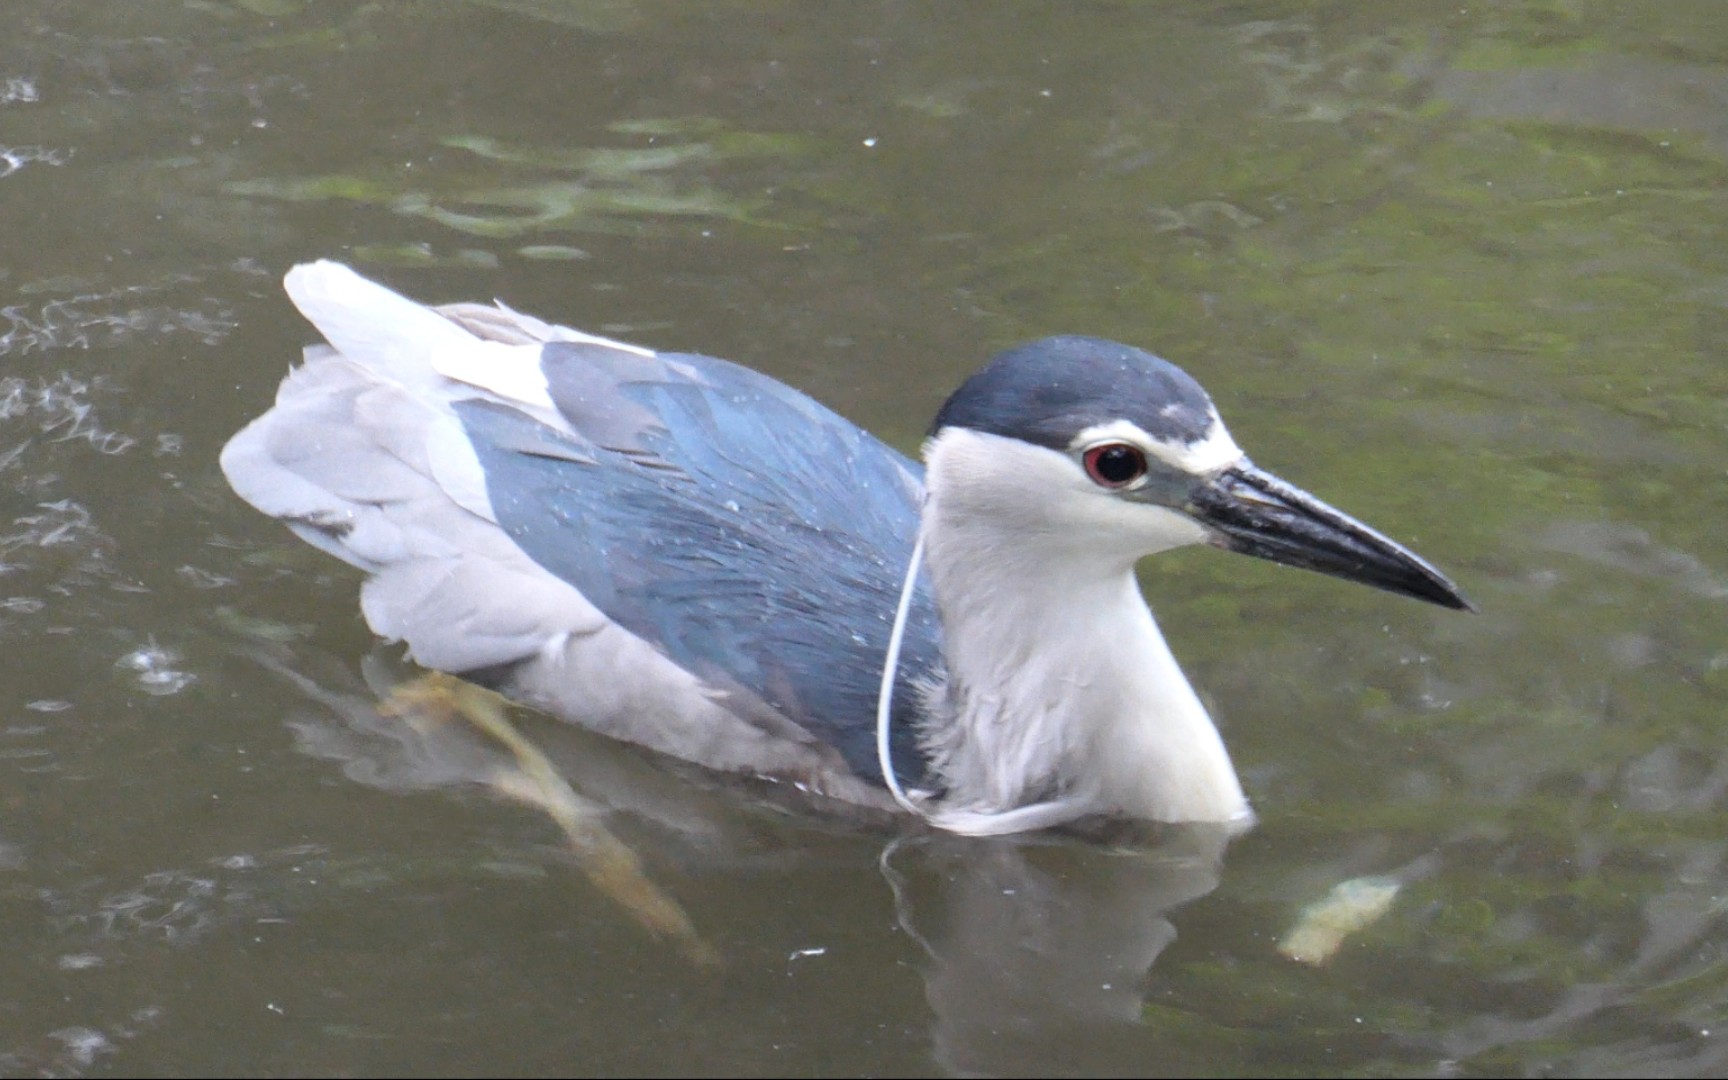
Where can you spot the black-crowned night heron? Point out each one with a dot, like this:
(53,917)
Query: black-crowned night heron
(680,552)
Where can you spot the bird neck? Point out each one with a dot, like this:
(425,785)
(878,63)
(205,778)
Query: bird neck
(1061,692)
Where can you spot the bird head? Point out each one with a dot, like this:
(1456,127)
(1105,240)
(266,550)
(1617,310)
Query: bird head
(1084,448)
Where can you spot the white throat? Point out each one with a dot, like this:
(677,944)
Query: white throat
(1063,699)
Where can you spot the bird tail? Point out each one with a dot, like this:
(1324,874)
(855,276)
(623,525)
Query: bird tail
(370,325)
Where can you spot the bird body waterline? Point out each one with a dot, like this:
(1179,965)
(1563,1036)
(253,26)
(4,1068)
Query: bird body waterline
(683,553)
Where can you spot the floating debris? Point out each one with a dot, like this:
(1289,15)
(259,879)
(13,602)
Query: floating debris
(79,962)
(199,578)
(18,88)
(1351,906)
(13,158)
(155,670)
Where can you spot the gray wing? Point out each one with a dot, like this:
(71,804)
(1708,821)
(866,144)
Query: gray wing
(673,550)
(753,535)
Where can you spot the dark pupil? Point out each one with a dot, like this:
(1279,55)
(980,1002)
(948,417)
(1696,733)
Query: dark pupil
(1117,464)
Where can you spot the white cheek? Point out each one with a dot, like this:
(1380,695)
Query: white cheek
(1156,528)
(1039,499)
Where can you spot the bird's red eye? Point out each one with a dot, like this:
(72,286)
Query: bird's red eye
(1115,465)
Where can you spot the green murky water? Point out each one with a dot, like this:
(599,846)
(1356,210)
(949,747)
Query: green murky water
(1461,272)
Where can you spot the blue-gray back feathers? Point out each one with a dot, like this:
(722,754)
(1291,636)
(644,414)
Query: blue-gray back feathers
(756,537)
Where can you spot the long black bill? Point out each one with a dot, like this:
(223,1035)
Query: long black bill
(1255,513)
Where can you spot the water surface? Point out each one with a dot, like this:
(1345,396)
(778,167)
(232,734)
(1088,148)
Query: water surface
(1462,273)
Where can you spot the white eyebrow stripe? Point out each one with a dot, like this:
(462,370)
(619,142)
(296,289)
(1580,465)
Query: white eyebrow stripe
(1216,451)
